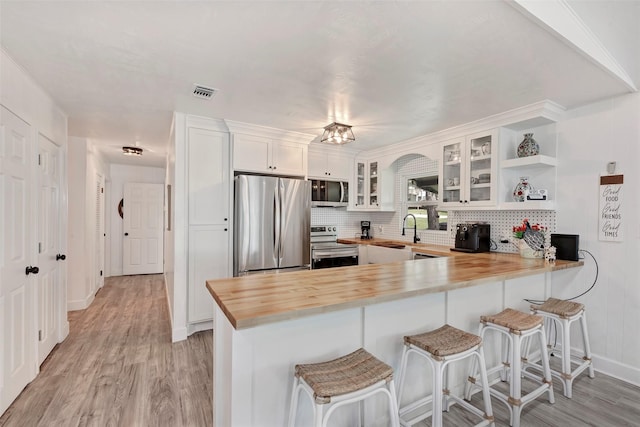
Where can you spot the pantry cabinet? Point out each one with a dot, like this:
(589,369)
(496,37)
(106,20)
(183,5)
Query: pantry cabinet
(209,186)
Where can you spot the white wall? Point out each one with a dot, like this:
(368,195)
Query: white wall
(119,175)
(85,165)
(169,236)
(589,137)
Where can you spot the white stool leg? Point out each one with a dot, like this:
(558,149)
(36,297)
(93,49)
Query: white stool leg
(585,342)
(566,356)
(403,371)
(393,405)
(318,415)
(293,408)
(436,416)
(516,379)
(546,369)
(486,395)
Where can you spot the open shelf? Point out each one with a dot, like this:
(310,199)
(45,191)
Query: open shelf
(534,205)
(532,161)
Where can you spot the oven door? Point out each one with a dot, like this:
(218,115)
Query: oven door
(341,261)
(328,258)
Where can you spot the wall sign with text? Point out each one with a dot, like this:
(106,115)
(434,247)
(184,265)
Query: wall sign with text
(610,215)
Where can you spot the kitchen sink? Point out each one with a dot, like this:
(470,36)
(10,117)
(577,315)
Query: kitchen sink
(390,245)
(419,255)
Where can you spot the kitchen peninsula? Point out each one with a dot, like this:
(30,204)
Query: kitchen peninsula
(265,324)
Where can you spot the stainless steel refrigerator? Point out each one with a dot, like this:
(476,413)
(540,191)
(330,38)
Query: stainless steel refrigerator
(272,224)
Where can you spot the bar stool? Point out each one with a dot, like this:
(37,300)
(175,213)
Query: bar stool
(564,313)
(347,379)
(441,347)
(514,326)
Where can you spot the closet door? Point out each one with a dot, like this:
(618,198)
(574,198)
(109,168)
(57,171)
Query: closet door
(17,289)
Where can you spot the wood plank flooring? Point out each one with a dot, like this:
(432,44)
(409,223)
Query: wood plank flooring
(118,367)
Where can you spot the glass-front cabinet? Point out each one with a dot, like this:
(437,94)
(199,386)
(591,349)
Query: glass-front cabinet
(373,184)
(360,186)
(374,187)
(469,170)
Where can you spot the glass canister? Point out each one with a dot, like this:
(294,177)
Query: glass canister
(528,146)
(522,189)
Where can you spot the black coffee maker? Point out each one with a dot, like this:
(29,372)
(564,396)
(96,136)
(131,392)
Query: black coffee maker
(473,237)
(365,226)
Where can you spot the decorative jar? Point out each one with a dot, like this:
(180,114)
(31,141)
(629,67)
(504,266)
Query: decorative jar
(528,146)
(522,189)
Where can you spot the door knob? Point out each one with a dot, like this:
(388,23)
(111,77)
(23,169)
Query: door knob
(60,257)
(31,270)
(126,234)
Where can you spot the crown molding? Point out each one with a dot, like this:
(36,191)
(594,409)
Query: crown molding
(521,118)
(559,19)
(268,132)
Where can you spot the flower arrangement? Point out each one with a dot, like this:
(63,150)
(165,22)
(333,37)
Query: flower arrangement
(518,230)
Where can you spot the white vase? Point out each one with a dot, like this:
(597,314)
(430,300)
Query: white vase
(527,252)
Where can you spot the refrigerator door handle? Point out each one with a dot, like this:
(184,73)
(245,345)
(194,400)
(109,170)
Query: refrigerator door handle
(276,223)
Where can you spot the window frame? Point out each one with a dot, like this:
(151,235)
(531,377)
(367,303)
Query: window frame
(405,204)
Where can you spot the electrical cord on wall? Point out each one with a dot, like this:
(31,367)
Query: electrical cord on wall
(537,302)
(595,279)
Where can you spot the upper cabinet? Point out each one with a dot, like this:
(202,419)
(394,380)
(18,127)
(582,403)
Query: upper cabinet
(327,164)
(469,170)
(261,149)
(263,155)
(374,187)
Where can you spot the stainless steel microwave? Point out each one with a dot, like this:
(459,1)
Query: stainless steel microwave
(329,193)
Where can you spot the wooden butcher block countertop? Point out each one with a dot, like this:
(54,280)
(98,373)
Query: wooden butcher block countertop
(267,298)
(439,250)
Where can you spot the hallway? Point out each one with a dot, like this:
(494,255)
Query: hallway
(118,366)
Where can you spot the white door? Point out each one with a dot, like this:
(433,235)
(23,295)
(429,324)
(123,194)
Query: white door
(99,234)
(17,298)
(143,229)
(49,256)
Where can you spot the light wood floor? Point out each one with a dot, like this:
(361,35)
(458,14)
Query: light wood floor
(119,368)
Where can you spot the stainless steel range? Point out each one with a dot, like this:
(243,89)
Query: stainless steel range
(326,252)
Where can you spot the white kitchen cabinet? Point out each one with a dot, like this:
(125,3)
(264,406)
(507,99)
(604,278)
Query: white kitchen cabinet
(209,238)
(468,171)
(209,258)
(329,165)
(374,187)
(252,153)
(382,255)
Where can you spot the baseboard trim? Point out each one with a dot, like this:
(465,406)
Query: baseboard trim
(613,368)
(178,334)
(75,305)
(201,326)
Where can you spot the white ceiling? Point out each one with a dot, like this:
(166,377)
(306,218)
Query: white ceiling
(393,70)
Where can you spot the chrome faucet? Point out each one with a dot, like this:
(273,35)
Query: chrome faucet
(416,239)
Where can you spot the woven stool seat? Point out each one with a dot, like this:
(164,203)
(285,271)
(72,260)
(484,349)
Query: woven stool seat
(514,320)
(562,308)
(444,341)
(346,374)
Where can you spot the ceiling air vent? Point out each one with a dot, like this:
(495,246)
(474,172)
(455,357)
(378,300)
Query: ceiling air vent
(204,92)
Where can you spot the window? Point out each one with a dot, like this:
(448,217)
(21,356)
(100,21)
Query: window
(421,199)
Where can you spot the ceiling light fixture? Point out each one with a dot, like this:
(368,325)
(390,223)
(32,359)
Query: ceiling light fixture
(337,133)
(132,151)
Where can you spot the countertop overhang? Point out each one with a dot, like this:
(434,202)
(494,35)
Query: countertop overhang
(256,300)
